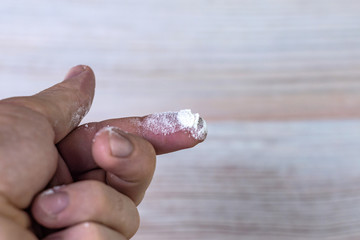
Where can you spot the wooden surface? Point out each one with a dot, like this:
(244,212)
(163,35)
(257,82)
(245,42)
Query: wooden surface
(268,180)
(277,80)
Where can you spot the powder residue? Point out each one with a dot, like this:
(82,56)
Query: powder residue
(78,115)
(48,192)
(107,128)
(52,190)
(170,122)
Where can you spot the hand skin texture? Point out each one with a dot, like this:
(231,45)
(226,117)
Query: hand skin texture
(101,170)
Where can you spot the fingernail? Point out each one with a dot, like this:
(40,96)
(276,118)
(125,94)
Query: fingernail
(201,130)
(53,201)
(73,72)
(119,145)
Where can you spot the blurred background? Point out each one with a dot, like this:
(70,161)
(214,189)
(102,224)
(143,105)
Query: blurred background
(277,81)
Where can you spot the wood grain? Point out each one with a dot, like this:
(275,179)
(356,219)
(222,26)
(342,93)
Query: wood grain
(230,60)
(278,81)
(273,180)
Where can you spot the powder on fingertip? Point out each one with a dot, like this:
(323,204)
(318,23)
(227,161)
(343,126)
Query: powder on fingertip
(170,122)
(107,128)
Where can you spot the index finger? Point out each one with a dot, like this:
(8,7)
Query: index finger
(167,132)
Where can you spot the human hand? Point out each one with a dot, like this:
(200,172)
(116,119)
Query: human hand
(72,98)
(89,154)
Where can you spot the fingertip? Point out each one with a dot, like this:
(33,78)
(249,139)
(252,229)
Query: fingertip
(74,71)
(172,131)
(67,206)
(82,77)
(168,123)
(129,162)
(174,142)
(202,130)
(66,103)
(49,204)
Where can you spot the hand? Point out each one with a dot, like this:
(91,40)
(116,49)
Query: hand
(130,172)
(35,124)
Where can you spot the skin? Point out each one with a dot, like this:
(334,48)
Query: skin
(104,172)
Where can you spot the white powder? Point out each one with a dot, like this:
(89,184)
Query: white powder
(107,128)
(57,188)
(170,122)
(78,115)
(52,190)
(48,192)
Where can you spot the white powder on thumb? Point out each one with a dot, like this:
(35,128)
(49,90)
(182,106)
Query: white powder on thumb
(170,122)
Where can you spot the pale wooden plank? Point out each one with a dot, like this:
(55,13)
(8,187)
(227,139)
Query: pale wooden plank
(229,59)
(276,180)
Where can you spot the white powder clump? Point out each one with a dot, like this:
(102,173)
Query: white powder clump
(170,122)
(187,119)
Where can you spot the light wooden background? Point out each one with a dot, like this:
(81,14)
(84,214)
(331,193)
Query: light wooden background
(277,80)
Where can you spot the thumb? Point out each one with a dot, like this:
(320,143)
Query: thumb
(64,104)
(29,128)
